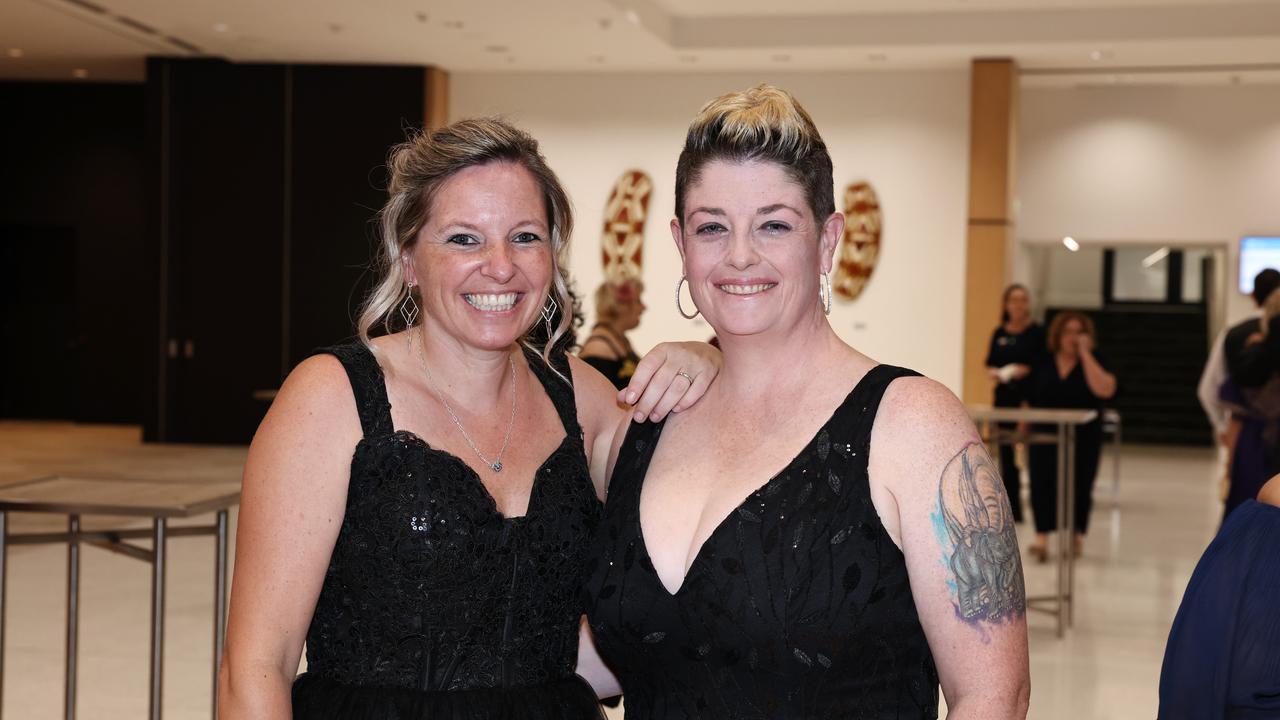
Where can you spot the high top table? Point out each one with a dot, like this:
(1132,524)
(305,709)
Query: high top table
(156,500)
(1062,602)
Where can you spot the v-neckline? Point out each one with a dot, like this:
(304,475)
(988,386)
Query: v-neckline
(702,549)
(471,472)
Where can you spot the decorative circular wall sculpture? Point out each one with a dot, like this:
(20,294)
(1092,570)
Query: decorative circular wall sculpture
(622,245)
(860,246)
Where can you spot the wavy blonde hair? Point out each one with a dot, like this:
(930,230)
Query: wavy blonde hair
(419,167)
(764,123)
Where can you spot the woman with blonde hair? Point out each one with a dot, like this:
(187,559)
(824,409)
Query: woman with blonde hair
(419,507)
(618,311)
(821,535)
(1072,375)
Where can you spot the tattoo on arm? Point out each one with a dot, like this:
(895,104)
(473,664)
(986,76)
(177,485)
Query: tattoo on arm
(974,525)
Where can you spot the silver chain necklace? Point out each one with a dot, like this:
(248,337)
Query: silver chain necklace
(496,463)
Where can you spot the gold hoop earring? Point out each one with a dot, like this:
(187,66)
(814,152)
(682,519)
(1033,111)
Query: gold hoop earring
(679,308)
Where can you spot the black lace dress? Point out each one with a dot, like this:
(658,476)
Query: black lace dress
(797,606)
(435,606)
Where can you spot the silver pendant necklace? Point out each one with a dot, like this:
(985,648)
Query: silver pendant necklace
(496,463)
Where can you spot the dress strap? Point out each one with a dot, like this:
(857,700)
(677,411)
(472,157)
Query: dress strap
(866,400)
(369,386)
(607,341)
(559,389)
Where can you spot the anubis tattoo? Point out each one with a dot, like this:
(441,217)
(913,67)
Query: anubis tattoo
(983,553)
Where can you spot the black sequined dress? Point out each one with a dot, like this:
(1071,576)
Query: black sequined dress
(797,606)
(434,605)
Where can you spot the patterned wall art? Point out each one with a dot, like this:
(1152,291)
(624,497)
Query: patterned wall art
(622,244)
(860,246)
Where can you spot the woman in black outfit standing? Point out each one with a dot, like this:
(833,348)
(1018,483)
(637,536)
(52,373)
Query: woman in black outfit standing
(607,349)
(1071,376)
(1016,346)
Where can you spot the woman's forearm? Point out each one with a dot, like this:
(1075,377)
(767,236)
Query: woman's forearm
(1100,382)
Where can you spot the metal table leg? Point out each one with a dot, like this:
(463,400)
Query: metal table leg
(4,553)
(1060,555)
(219,602)
(73,615)
(1069,539)
(157,620)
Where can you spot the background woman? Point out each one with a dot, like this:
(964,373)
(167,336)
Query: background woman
(1016,345)
(821,535)
(419,506)
(607,349)
(1070,376)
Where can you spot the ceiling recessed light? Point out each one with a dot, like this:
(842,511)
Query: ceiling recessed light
(877,57)
(15,52)
(422,17)
(453,24)
(335,28)
(80,73)
(596,59)
(605,23)
(781,57)
(496,48)
(632,16)
(689,58)
(221,27)
(1095,55)
(511,60)
(1071,243)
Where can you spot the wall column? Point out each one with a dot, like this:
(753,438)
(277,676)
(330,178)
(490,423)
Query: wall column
(992,140)
(436,112)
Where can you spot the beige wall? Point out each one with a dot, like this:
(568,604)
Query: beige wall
(1189,165)
(907,133)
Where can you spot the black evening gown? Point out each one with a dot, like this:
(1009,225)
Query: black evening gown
(797,606)
(434,605)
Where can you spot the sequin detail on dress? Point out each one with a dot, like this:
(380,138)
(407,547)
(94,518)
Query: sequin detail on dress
(797,606)
(436,606)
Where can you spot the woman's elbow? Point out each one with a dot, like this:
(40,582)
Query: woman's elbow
(252,690)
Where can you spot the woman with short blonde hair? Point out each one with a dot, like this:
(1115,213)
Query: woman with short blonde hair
(821,535)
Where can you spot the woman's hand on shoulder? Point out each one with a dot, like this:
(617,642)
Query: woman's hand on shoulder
(292,504)
(946,507)
(670,378)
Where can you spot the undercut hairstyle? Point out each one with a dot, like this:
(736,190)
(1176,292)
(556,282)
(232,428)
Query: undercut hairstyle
(763,124)
(1059,324)
(422,165)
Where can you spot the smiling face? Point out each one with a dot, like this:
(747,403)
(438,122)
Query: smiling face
(1017,305)
(482,260)
(752,248)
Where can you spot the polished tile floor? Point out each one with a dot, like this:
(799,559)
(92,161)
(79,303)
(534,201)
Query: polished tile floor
(1138,558)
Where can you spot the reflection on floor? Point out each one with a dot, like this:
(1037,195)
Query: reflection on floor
(1137,561)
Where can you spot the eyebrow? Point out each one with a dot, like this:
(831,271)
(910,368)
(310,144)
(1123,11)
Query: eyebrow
(474,228)
(761,211)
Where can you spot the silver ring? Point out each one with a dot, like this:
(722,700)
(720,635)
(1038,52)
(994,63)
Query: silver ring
(686,376)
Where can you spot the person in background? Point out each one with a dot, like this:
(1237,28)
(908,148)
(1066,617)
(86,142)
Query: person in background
(1238,355)
(1016,346)
(1215,368)
(1070,376)
(1222,661)
(1253,433)
(607,349)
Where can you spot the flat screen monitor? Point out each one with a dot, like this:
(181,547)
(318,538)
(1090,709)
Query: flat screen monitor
(1257,253)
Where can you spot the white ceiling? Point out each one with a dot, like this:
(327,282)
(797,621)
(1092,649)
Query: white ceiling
(1055,41)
